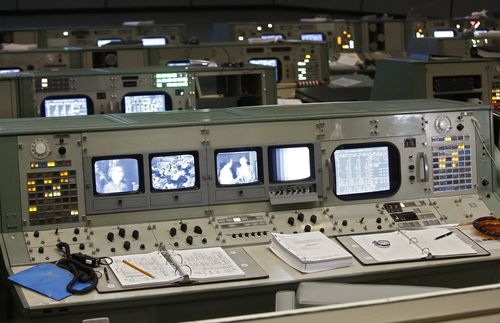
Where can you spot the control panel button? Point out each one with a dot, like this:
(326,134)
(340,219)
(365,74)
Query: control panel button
(36,234)
(313,219)
(198,230)
(121,232)
(61,151)
(189,240)
(291,220)
(173,232)
(81,246)
(300,217)
(40,249)
(110,236)
(344,223)
(135,234)
(126,245)
(184,227)
(307,228)
(76,231)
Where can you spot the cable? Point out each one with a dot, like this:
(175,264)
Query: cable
(477,125)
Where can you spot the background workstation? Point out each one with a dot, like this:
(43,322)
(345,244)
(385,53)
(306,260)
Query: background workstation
(208,212)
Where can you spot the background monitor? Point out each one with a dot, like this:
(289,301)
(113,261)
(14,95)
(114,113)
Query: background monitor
(238,167)
(6,70)
(109,41)
(145,102)
(444,33)
(364,171)
(272,36)
(66,106)
(174,171)
(268,61)
(154,41)
(316,37)
(117,175)
(291,163)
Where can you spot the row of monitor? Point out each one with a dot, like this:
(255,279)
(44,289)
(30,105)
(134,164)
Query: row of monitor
(79,105)
(360,171)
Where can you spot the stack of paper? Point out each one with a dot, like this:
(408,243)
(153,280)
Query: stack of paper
(309,252)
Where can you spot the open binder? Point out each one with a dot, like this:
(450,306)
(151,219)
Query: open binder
(178,267)
(411,245)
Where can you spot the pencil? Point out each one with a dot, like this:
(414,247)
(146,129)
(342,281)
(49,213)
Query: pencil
(137,268)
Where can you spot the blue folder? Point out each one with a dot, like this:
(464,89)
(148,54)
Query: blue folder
(48,280)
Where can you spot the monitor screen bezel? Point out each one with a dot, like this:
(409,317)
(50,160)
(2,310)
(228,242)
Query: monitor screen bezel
(140,171)
(323,36)
(260,168)
(272,168)
(176,153)
(168,100)
(90,105)
(279,75)
(394,171)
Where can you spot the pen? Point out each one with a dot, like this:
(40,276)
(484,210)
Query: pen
(443,235)
(137,268)
(106,274)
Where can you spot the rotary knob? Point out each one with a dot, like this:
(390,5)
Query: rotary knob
(442,124)
(184,227)
(40,148)
(173,232)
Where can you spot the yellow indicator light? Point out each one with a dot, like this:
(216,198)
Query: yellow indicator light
(31,182)
(461,146)
(447,138)
(308,56)
(34,165)
(454,153)
(74,212)
(339,40)
(455,159)
(345,32)
(47,194)
(348,35)
(420,30)
(442,165)
(32,208)
(454,165)
(442,159)
(31,189)
(51,164)
(47,181)
(345,46)
(63,173)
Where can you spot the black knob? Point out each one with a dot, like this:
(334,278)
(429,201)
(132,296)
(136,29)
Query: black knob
(234,236)
(246,234)
(173,232)
(184,227)
(379,227)
(344,223)
(485,182)
(176,244)
(40,250)
(411,167)
(121,232)
(113,249)
(460,127)
(291,220)
(142,246)
(411,178)
(204,240)
(81,246)
(110,236)
(379,220)
(75,239)
(322,230)
(264,233)
(300,217)
(189,240)
(135,234)
(198,230)
(126,245)
(76,231)
(252,234)
(36,234)
(61,150)
(314,219)
(307,228)
(240,235)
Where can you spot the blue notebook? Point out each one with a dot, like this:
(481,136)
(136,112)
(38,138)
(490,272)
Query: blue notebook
(48,280)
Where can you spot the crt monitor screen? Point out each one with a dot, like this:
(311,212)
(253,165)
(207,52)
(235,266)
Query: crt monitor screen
(66,106)
(317,37)
(174,171)
(109,41)
(144,102)
(291,163)
(366,171)
(154,41)
(117,175)
(274,62)
(7,70)
(238,167)
(272,36)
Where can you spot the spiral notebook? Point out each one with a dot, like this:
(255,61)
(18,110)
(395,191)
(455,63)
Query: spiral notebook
(179,266)
(411,245)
